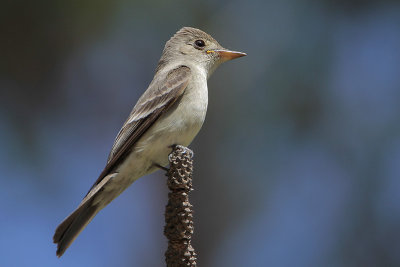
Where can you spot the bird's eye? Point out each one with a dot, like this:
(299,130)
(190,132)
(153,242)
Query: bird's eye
(199,43)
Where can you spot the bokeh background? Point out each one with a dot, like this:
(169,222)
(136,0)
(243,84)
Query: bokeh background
(297,164)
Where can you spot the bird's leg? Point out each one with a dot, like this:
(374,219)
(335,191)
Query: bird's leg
(161,167)
(173,146)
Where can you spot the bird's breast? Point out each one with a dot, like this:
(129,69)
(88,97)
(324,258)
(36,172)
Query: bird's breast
(178,126)
(188,114)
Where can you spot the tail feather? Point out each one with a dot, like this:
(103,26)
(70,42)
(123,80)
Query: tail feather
(91,204)
(71,227)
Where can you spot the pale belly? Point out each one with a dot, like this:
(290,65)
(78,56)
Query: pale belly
(179,126)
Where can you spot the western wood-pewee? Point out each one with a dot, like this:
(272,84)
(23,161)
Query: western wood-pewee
(170,112)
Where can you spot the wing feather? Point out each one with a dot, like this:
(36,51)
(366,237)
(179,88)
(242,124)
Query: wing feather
(157,99)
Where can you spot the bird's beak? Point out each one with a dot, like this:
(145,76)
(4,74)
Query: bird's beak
(226,55)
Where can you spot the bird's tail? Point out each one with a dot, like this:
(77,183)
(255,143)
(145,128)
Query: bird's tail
(96,199)
(71,227)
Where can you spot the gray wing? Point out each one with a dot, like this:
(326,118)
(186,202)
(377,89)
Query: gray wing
(157,99)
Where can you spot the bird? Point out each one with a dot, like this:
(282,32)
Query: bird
(170,112)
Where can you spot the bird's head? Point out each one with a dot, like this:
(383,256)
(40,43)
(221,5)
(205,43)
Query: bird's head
(195,46)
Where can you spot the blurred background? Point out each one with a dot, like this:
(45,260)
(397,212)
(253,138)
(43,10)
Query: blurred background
(297,164)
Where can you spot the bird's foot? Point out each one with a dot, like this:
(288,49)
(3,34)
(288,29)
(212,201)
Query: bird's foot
(161,167)
(182,148)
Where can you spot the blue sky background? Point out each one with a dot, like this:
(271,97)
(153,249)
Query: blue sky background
(297,164)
